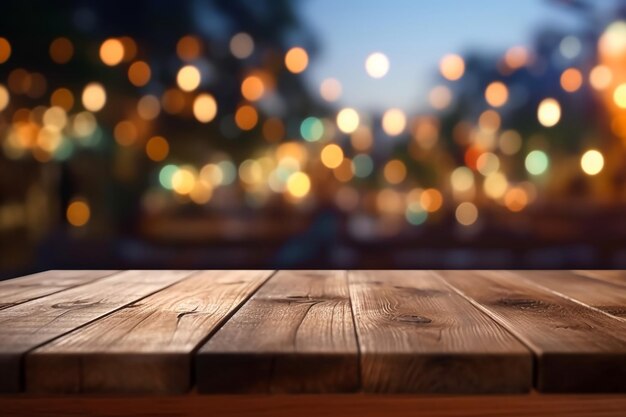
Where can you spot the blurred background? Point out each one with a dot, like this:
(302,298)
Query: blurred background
(312,134)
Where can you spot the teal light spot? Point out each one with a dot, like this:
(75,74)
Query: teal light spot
(229,172)
(362,165)
(312,129)
(415,214)
(166,174)
(537,162)
(64,151)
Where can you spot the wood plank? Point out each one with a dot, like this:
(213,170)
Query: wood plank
(578,349)
(350,405)
(145,346)
(418,336)
(20,290)
(603,295)
(616,277)
(294,335)
(28,325)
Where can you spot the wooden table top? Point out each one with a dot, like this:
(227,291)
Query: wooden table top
(426,332)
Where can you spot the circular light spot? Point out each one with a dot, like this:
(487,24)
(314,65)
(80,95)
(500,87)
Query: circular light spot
(394,171)
(148,107)
(157,148)
(125,133)
(241,45)
(619,96)
(173,101)
(415,214)
(332,156)
(571,80)
(62,97)
(296,60)
(112,52)
(205,108)
(394,122)
(440,97)
(94,97)
(78,213)
(165,176)
(612,43)
(183,181)
(5,50)
(362,166)
(330,89)
(487,163)
(61,50)
(312,129)
(466,214)
(188,48)
(600,77)
(188,78)
(377,65)
(246,117)
(592,162)
(549,112)
(452,67)
(510,142)
(570,47)
(252,88)
(298,184)
(497,94)
(139,73)
(5,98)
(462,179)
(495,185)
(537,162)
(431,200)
(516,199)
(348,120)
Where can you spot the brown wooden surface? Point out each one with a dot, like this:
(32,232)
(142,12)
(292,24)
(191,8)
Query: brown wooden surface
(353,405)
(26,326)
(145,346)
(19,290)
(578,349)
(294,335)
(614,277)
(416,335)
(603,295)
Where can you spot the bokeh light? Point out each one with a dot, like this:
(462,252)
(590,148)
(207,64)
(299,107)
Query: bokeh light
(94,97)
(377,65)
(348,120)
(188,78)
(296,60)
(78,213)
(549,112)
(112,52)
(592,162)
(452,67)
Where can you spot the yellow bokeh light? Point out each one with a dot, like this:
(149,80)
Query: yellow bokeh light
(495,185)
(246,117)
(205,108)
(394,122)
(332,156)
(571,80)
(487,163)
(462,179)
(296,60)
(55,116)
(5,50)
(94,97)
(78,213)
(394,171)
(188,78)
(592,162)
(377,65)
(188,48)
(139,73)
(183,180)
(619,96)
(348,120)
(612,43)
(330,89)
(241,45)
(431,200)
(549,112)
(5,98)
(497,94)
(452,67)
(157,148)
(600,77)
(61,50)
(466,214)
(112,52)
(252,88)
(298,184)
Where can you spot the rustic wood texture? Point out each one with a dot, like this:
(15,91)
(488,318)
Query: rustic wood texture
(613,277)
(30,324)
(294,335)
(603,295)
(20,290)
(416,335)
(145,346)
(354,405)
(578,349)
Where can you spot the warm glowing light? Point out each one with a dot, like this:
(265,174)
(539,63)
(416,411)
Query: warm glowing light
(619,96)
(537,162)
(94,97)
(183,181)
(612,43)
(497,94)
(205,108)
(452,67)
(600,77)
(188,48)
(246,117)
(157,148)
(394,171)
(394,122)
(173,101)
(148,107)
(571,80)
(347,120)
(431,200)
(5,98)
(440,97)
(62,97)
(241,45)
(296,60)
(517,57)
(298,184)
(489,121)
(125,133)
(495,185)
(466,214)
(487,163)
(112,52)
(61,50)
(510,142)
(377,65)
(462,179)
(252,88)
(592,162)
(139,73)
(516,199)
(549,112)
(78,213)
(332,156)
(5,50)
(130,48)
(330,90)
(188,78)
(273,129)
(55,116)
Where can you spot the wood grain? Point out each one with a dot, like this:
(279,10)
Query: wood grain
(416,335)
(603,295)
(294,335)
(578,349)
(614,277)
(28,325)
(20,290)
(145,346)
(352,405)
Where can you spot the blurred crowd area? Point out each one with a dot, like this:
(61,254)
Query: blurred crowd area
(160,134)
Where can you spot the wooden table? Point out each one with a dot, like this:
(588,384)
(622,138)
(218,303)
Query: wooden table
(366,343)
